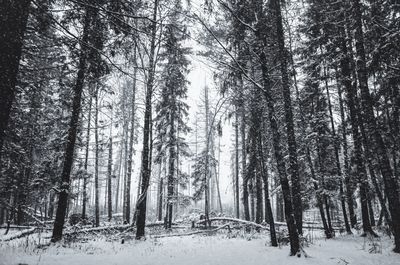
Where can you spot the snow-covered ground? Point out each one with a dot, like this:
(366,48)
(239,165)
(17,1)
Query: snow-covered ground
(195,250)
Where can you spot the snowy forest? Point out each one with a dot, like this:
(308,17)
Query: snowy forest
(199,132)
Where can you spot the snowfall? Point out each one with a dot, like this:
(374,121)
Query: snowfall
(221,248)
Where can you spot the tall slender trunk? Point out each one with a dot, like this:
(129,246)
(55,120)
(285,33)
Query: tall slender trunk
(118,188)
(281,167)
(250,173)
(243,142)
(252,201)
(390,182)
(371,212)
(96,160)
(145,167)
(237,163)
(171,166)
(259,199)
(268,209)
(336,148)
(73,127)
(319,195)
(291,139)
(160,195)
(177,178)
(347,180)
(361,171)
(372,165)
(395,127)
(217,175)
(126,154)
(127,191)
(109,173)
(85,166)
(206,165)
(13,20)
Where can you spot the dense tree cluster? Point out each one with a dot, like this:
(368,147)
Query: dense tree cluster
(312,89)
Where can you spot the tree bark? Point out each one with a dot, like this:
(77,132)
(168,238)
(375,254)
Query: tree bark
(127,191)
(268,209)
(171,180)
(347,180)
(244,170)
(206,165)
(276,141)
(85,166)
(336,148)
(160,197)
(237,209)
(217,175)
(145,167)
(73,127)
(96,159)
(291,139)
(360,168)
(390,182)
(109,182)
(13,20)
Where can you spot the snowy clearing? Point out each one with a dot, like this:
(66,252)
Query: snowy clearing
(197,250)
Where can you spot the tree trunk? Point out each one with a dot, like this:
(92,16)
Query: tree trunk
(85,166)
(126,154)
(371,212)
(109,183)
(13,20)
(269,217)
(252,202)
(336,148)
(171,180)
(292,147)
(127,190)
(347,181)
(276,141)
(73,127)
(361,171)
(206,165)
(160,197)
(259,199)
(145,167)
(320,204)
(243,140)
(96,159)
(237,163)
(390,182)
(217,175)
(319,195)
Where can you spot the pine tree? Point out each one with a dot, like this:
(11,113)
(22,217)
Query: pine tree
(171,109)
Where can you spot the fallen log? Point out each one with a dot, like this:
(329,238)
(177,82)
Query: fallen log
(194,233)
(97,229)
(23,233)
(226,219)
(307,226)
(16,227)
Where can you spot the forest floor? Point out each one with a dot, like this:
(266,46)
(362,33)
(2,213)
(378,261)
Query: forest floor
(220,249)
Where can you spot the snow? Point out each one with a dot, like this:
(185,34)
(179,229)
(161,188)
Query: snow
(197,250)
